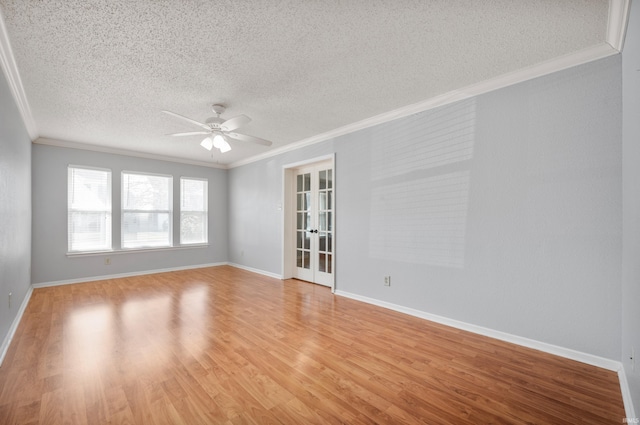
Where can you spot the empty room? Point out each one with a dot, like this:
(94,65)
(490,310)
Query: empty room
(313,212)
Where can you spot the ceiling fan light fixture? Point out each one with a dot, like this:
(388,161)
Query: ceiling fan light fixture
(225,147)
(207,143)
(221,143)
(219,130)
(217,140)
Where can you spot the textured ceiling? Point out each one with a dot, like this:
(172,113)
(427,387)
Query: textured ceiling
(99,72)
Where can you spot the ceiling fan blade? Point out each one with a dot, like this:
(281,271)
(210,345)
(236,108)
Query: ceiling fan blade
(199,124)
(235,122)
(190,133)
(247,138)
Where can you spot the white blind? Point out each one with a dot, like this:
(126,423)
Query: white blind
(193,211)
(89,209)
(146,210)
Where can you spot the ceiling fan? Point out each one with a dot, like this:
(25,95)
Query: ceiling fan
(218,130)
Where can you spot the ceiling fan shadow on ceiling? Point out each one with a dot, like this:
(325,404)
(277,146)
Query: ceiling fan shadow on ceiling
(218,130)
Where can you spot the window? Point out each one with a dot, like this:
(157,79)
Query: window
(88,209)
(146,210)
(193,211)
(147,201)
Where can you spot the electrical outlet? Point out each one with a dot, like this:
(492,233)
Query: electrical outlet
(107,261)
(387,281)
(9,299)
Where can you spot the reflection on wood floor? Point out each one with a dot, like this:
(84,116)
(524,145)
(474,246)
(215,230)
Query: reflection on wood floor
(225,346)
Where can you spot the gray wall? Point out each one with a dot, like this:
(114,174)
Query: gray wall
(50,262)
(15,209)
(255,220)
(631,203)
(503,211)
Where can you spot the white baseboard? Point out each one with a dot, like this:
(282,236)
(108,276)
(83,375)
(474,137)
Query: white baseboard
(251,269)
(145,272)
(626,395)
(503,336)
(119,275)
(568,353)
(14,326)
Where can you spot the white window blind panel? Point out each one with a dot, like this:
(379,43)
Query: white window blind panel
(146,210)
(193,211)
(89,209)
(422,221)
(424,141)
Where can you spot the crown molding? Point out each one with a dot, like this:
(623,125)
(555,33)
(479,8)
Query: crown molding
(614,41)
(617,23)
(10,69)
(116,151)
(580,57)
(616,30)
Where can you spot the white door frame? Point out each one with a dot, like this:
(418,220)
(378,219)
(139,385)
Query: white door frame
(288,217)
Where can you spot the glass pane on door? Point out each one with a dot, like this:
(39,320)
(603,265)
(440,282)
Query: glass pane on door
(324,223)
(313,240)
(303,221)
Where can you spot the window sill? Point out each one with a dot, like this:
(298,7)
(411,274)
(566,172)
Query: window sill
(135,250)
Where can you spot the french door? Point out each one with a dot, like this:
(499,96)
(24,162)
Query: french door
(314,215)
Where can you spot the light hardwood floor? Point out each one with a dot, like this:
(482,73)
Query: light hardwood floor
(226,346)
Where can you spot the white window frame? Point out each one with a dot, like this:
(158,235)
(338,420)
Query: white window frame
(205,213)
(108,210)
(124,211)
